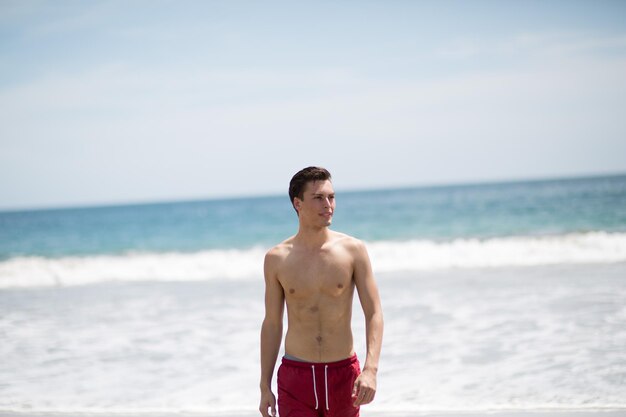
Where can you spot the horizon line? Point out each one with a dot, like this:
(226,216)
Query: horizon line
(198,199)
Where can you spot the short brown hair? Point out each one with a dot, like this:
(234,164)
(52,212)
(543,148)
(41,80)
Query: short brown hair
(304,176)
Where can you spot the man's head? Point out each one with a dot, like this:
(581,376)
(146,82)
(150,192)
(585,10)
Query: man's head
(298,183)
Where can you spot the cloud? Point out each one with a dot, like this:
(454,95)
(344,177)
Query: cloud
(119,103)
(332,103)
(533,46)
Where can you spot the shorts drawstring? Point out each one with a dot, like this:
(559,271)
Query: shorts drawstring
(325,386)
(314,386)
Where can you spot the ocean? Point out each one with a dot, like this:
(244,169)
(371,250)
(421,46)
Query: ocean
(497,296)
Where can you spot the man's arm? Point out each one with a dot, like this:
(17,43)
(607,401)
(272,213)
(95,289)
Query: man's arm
(365,385)
(271,333)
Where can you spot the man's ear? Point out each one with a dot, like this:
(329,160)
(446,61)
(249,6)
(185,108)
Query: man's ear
(297,203)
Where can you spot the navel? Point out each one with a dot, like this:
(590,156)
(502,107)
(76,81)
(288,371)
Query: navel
(340,286)
(314,309)
(291,290)
(319,339)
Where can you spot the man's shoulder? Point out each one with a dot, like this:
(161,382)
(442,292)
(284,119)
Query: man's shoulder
(276,256)
(281,250)
(348,242)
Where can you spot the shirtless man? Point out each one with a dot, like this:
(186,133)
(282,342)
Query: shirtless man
(315,273)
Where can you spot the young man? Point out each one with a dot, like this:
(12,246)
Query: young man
(315,273)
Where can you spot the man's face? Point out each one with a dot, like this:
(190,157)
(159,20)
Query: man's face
(318,203)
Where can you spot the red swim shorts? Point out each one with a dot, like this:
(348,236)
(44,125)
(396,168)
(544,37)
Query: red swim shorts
(312,389)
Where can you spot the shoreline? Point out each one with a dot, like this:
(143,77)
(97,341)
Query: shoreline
(595,412)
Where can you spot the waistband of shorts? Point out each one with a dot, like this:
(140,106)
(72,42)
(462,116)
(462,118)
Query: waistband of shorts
(344,362)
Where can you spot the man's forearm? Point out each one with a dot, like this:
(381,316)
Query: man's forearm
(374,336)
(271,336)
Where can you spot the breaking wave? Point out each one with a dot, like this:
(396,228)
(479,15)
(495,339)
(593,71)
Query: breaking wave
(387,256)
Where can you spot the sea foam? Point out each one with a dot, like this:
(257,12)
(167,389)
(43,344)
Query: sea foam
(386,256)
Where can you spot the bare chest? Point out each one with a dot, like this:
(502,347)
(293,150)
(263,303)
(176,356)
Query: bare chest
(308,274)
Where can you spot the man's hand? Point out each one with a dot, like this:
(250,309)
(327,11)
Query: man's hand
(268,401)
(364,388)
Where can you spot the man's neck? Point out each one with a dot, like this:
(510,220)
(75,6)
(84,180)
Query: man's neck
(312,237)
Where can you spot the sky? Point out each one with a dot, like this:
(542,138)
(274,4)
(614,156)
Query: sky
(107,102)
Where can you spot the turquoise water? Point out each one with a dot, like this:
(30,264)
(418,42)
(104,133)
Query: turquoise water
(433,213)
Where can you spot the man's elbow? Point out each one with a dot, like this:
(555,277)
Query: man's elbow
(272,326)
(375,315)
